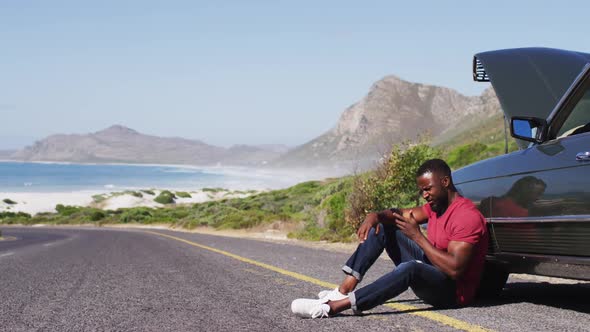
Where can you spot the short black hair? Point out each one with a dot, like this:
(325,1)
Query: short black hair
(438,166)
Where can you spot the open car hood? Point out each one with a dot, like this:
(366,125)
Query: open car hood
(529,81)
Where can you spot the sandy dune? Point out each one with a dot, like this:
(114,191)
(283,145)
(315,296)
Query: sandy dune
(34,203)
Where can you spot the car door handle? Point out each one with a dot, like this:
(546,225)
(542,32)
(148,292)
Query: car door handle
(583,156)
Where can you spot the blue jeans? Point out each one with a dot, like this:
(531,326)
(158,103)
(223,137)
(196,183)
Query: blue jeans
(413,269)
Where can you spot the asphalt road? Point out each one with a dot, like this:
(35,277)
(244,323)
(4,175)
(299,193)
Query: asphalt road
(58,279)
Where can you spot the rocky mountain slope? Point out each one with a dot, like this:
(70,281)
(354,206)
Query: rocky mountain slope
(5,154)
(124,145)
(394,110)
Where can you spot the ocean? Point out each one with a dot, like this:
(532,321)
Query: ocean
(60,177)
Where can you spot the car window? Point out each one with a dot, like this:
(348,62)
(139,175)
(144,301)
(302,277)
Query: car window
(578,120)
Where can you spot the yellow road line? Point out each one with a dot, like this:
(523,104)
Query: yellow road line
(440,318)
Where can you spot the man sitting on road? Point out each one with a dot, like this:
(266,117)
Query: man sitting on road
(443,270)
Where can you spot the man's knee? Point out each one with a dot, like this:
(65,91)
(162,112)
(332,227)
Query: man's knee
(409,268)
(384,231)
(373,232)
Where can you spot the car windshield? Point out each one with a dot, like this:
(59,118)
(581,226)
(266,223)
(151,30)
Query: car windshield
(579,119)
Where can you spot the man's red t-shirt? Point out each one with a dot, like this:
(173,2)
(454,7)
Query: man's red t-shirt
(506,207)
(464,223)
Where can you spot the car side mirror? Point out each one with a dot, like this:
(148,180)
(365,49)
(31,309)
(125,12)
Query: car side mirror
(528,129)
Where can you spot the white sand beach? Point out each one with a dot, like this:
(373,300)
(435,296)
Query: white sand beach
(38,202)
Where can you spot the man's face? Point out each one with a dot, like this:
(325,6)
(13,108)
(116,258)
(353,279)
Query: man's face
(433,189)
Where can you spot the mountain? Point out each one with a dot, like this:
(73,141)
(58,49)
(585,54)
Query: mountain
(124,145)
(5,154)
(393,111)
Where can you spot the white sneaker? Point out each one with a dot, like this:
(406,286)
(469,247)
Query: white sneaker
(332,295)
(310,308)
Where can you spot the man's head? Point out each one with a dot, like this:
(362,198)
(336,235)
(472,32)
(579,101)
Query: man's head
(527,190)
(435,183)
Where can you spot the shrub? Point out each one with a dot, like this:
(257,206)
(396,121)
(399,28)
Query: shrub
(134,193)
(466,154)
(149,192)
(472,152)
(67,210)
(336,221)
(242,219)
(9,217)
(392,184)
(311,232)
(212,190)
(97,215)
(165,197)
(139,214)
(305,188)
(98,198)
(8,201)
(14,215)
(183,194)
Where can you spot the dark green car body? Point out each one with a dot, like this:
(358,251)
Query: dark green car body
(537,199)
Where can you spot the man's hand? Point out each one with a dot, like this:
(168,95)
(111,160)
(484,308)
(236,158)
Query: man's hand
(389,217)
(409,226)
(371,220)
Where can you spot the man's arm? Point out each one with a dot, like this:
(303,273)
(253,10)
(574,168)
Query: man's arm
(389,218)
(452,262)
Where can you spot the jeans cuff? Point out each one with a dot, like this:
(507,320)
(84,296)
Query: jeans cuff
(348,270)
(352,298)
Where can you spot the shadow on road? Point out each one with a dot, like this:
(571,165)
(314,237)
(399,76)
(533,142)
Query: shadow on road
(564,296)
(422,307)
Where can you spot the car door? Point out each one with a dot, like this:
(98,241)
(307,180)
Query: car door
(546,209)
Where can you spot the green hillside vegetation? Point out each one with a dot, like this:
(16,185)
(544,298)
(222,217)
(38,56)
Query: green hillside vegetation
(486,130)
(328,210)
(9,217)
(304,204)
(165,197)
(477,139)
(99,198)
(323,210)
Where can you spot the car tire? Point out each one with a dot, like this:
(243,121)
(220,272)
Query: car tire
(492,281)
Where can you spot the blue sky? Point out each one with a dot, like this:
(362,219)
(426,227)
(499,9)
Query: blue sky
(243,72)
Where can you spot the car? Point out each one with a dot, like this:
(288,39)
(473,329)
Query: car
(537,199)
